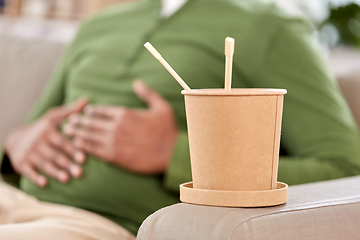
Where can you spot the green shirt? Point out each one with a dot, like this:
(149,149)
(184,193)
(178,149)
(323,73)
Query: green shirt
(320,140)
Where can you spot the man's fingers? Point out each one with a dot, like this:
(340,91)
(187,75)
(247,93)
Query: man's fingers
(57,115)
(59,142)
(91,147)
(59,159)
(78,105)
(85,133)
(30,173)
(89,122)
(88,146)
(48,168)
(152,98)
(100,111)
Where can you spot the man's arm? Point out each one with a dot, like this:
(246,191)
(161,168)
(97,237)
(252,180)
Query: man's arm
(319,133)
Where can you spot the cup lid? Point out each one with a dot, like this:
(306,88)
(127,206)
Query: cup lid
(235,92)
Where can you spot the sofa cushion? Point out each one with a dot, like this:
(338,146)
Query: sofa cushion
(350,86)
(345,64)
(25,67)
(323,210)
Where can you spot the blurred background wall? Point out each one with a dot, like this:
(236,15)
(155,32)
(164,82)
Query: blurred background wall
(34,33)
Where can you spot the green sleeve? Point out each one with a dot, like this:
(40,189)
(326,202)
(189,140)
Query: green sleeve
(179,170)
(319,133)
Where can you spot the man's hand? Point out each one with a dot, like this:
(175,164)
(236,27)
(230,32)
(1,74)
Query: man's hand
(40,147)
(141,141)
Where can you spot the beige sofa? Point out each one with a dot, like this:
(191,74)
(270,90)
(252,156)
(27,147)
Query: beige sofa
(328,210)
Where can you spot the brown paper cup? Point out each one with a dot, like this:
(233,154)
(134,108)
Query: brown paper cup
(234,138)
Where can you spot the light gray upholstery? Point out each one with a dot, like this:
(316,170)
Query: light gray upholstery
(324,210)
(25,67)
(350,86)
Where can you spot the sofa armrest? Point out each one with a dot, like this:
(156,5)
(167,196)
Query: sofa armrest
(323,210)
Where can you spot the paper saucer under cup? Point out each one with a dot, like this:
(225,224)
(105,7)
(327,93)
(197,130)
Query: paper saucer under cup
(220,198)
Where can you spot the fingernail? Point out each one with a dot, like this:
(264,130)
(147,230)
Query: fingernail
(139,85)
(80,101)
(79,157)
(41,181)
(75,171)
(63,177)
(142,85)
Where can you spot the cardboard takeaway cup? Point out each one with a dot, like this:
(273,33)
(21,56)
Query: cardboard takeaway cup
(234,139)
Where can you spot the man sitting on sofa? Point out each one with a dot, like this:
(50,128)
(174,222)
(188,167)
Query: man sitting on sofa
(100,141)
